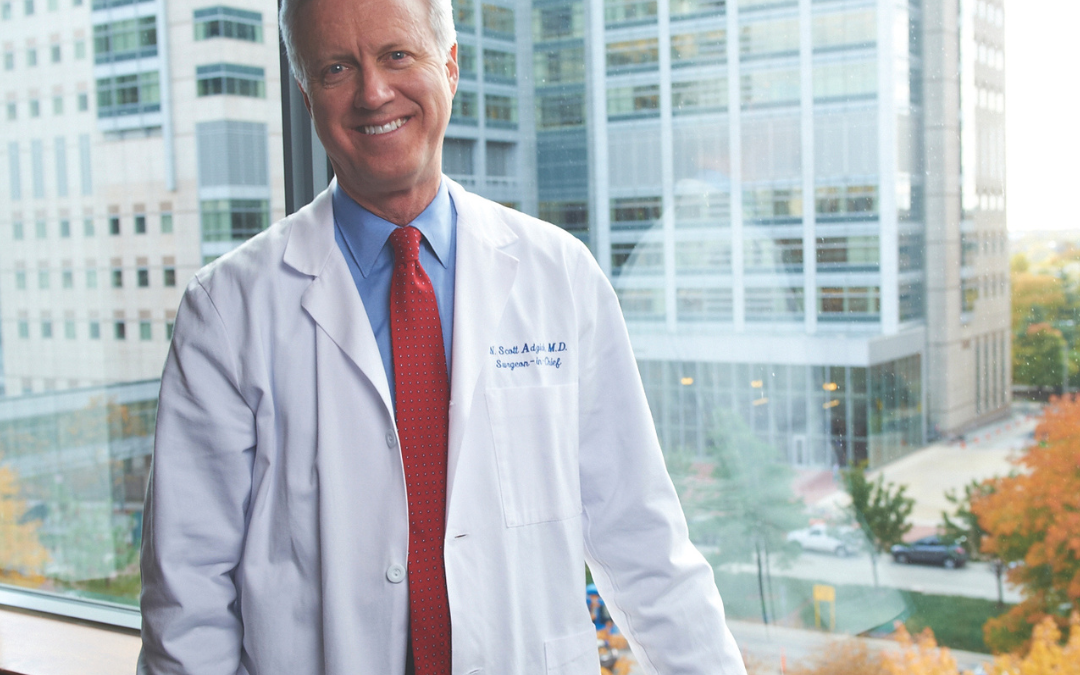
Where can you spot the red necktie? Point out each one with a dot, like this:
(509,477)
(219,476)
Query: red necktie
(423,401)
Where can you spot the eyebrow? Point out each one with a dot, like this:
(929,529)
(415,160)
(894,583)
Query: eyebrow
(395,46)
(334,57)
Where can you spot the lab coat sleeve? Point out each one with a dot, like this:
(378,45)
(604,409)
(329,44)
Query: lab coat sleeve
(660,590)
(194,518)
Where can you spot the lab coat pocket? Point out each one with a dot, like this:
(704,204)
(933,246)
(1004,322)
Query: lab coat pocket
(535,433)
(572,655)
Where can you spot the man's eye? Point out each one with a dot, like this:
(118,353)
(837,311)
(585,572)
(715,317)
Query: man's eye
(398,56)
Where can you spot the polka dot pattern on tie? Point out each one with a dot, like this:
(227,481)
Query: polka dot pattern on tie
(423,401)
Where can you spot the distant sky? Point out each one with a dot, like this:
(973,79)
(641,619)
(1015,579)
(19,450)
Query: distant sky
(1042,72)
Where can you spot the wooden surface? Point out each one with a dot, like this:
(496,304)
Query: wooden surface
(37,644)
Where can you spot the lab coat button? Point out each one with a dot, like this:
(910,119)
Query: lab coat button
(391,440)
(395,574)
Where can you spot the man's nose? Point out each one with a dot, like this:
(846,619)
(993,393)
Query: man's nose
(374,90)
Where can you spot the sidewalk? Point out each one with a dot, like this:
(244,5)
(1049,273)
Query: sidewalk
(768,646)
(931,471)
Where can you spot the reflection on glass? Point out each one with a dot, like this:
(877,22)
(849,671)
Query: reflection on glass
(498,21)
(769,37)
(629,11)
(847,29)
(136,171)
(499,66)
(701,47)
(73,475)
(632,54)
(228,22)
(744,514)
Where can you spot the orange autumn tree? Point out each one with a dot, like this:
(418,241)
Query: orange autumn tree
(918,656)
(848,656)
(1047,656)
(1032,520)
(921,655)
(1036,298)
(22,557)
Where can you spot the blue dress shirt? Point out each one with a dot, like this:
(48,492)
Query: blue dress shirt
(363,239)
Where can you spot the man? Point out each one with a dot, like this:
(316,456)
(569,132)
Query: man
(300,516)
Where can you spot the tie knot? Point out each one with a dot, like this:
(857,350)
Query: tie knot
(406,243)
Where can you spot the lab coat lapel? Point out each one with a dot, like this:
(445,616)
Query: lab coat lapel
(483,281)
(332,300)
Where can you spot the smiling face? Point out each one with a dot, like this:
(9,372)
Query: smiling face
(379,90)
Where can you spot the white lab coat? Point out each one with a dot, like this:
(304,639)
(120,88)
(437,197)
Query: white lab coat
(276,525)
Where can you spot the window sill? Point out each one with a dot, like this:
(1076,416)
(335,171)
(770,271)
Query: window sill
(32,643)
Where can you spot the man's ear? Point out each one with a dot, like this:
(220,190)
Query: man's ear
(452,69)
(307,102)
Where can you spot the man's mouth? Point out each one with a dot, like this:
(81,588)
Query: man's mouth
(384,128)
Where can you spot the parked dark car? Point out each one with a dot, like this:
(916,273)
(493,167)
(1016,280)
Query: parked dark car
(932,550)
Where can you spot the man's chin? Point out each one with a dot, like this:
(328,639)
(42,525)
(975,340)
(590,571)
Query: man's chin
(377,186)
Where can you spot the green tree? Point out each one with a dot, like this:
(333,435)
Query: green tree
(738,500)
(1019,264)
(22,557)
(963,525)
(1038,356)
(1046,319)
(881,510)
(1037,298)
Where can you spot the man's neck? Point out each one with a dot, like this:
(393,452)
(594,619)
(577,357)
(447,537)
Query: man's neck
(399,208)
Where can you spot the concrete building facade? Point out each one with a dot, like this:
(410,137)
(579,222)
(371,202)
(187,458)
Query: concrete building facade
(968,308)
(141,140)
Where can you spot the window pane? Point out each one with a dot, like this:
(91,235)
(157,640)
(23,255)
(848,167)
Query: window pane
(498,21)
(628,11)
(101,227)
(747,268)
(499,66)
(811,258)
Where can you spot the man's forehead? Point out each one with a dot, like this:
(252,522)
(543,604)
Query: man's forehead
(373,23)
(330,37)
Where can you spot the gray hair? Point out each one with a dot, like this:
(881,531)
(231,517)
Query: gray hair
(440,17)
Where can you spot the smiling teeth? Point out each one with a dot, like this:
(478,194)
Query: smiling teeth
(389,126)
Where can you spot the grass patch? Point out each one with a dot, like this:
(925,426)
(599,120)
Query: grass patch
(122,589)
(742,600)
(957,622)
(790,602)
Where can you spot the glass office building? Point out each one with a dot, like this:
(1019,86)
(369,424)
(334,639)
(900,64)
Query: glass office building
(758,190)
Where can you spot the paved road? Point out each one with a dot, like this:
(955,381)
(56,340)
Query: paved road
(974,580)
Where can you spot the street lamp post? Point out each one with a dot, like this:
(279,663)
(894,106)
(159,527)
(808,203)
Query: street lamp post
(1065,368)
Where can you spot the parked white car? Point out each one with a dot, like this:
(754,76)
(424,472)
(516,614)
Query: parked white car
(840,541)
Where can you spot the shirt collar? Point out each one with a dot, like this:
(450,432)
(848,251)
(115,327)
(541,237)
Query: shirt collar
(366,233)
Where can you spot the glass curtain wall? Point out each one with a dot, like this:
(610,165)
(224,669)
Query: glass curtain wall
(751,174)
